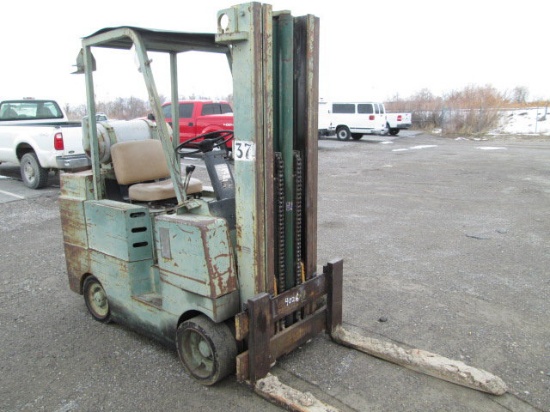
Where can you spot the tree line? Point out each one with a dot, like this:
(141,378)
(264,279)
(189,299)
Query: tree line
(471,110)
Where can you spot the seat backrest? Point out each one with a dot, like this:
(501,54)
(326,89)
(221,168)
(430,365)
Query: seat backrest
(44,112)
(139,161)
(9,114)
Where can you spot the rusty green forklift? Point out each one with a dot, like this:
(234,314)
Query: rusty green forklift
(228,273)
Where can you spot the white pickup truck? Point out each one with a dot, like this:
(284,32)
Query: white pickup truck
(397,121)
(355,119)
(37,135)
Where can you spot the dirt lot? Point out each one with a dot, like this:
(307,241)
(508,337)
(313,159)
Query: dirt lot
(447,240)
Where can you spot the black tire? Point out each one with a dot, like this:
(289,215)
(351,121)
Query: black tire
(343,133)
(356,136)
(207,350)
(96,300)
(394,132)
(33,175)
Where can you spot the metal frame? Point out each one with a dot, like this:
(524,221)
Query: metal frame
(274,60)
(145,40)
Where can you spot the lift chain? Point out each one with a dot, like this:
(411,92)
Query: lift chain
(280,218)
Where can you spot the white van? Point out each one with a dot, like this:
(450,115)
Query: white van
(352,119)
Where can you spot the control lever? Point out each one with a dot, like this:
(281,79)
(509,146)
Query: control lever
(188,172)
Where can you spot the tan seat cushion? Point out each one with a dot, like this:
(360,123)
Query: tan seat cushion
(149,192)
(139,161)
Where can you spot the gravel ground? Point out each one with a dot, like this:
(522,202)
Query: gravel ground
(446,247)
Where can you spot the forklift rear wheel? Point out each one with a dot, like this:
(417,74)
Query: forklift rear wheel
(206,349)
(96,300)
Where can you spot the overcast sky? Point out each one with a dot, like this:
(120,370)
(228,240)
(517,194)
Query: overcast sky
(370,50)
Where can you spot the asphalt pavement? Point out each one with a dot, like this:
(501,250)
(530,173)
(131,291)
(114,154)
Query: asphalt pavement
(446,247)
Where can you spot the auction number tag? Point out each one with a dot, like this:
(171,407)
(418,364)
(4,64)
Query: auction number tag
(244,151)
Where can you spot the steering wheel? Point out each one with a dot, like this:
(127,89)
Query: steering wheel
(210,141)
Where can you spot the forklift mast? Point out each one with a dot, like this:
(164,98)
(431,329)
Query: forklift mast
(275,89)
(285,302)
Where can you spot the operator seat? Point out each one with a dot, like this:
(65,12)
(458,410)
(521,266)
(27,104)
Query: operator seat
(141,164)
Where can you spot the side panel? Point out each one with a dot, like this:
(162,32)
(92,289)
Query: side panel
(122,230)
(195,254)
(77,185)
(75,189)
(121,279)
(73,222)
(39,138)
(78,264)
(124,283)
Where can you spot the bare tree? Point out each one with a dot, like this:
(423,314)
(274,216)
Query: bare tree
(520,94)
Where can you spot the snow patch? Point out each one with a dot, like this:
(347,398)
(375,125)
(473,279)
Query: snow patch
(491,148)
(425,146)
(528,121)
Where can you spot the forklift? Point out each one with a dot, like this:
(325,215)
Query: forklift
(226,272)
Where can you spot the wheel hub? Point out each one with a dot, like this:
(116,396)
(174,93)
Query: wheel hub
(204,349)
(99,299)
(29,171)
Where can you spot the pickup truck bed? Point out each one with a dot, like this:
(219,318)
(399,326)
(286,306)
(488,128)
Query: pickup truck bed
(39,140)
(397,122)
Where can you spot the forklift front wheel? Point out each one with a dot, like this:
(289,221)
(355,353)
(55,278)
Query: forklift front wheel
(96,300)
(206,349)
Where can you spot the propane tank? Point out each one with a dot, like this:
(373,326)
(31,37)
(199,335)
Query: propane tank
(114,131)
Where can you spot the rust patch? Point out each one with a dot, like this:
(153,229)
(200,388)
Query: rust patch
(73,223)
(78,264)
(221,282)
